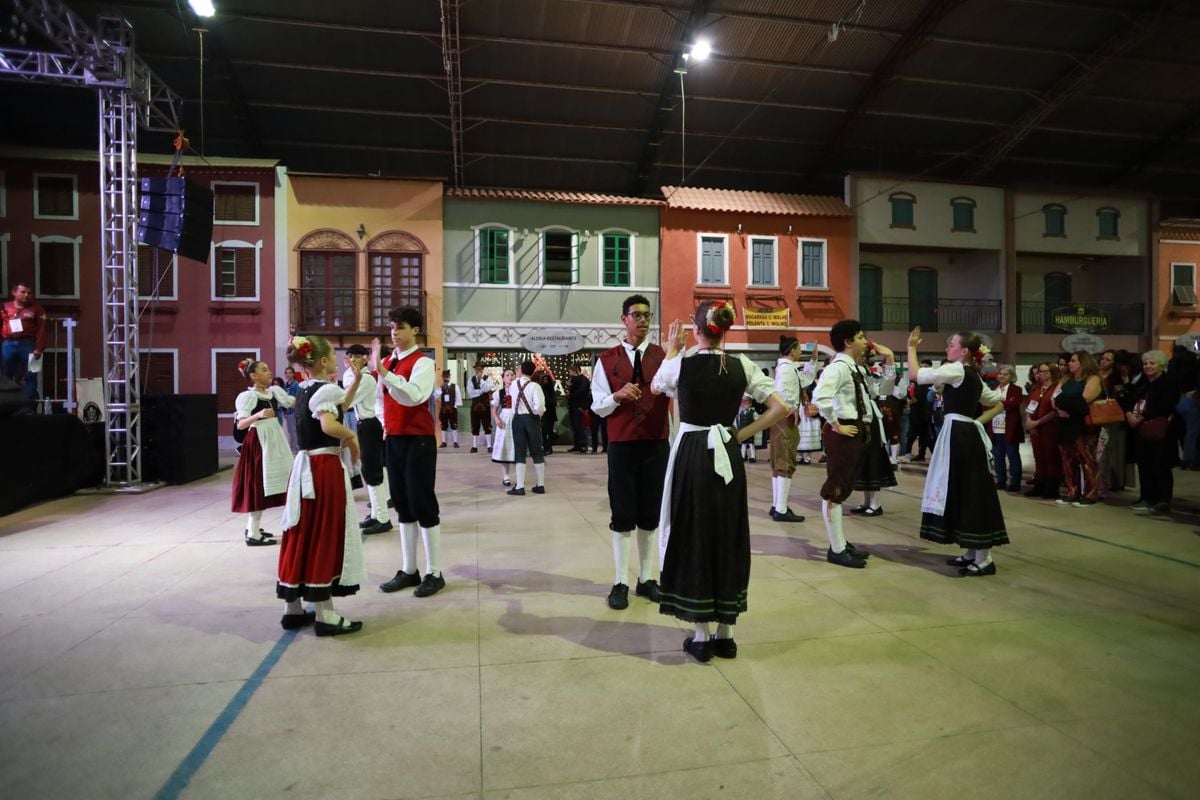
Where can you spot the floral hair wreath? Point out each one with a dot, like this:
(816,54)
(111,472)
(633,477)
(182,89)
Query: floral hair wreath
(981,352)
(301,346)
(711,315)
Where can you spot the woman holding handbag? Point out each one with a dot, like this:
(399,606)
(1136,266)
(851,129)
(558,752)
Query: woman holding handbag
(1155,441)
(1077,438)
(1007,433)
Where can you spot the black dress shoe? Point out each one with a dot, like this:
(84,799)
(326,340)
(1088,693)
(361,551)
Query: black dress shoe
(266,541)
(960,561)
(343,626)
(845,559)
(402,580)
(443,444)
(724,648)
(474,449)
(265,535)
(430,586)
(648,589)
(973,570)
(867,511)
(539,490)
(618,598)
(366,523)
(515,492)
(856,552)
(356,482)
(292,622)
(786,516)
(701,651)
(378,527)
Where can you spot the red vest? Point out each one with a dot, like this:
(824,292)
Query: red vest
(647,418)
(398,419)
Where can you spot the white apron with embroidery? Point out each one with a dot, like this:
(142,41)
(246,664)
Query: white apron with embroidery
(277,455)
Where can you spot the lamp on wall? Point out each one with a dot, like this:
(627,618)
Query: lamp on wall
(362,231)
(789,230)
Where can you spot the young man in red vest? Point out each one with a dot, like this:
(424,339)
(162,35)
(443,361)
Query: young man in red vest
(637,446)
(406,379)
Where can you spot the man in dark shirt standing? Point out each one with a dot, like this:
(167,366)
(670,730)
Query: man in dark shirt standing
(24,329)
(579,400)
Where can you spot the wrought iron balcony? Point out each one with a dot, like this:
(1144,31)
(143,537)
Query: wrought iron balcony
(948,314)
(348,311)
(1122,318)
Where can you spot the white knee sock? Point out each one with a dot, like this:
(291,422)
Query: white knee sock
(894,452)
(326,614)
(488,438)
(408,547)
(745,450)
(379,497)
(983,557)
(724,631)
(646,551)
(751,446)
(620,542)
(832,514)
(521,476)
(506,472)
(540,470)
(253,523)
(454,436)
(869,500)
(293,607)
(703,633)
(785,488)
(774,492)
(432,539)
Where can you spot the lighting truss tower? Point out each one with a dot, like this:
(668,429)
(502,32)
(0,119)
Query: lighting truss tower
(452,63)
(130,95)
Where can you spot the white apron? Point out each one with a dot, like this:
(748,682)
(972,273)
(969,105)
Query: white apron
(301,486)
(718,435)
(933,501)
(276,455)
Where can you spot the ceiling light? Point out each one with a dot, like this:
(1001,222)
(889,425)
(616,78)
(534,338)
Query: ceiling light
(203,8)
(700,50)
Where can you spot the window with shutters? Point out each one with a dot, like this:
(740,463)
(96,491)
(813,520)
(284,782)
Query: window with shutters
(1109,220)
(1183,284)
(55,197)
(156,273)
(327,284)
(763,263)
(813,267)
(396,282)
(1055,217)
(493,255)
(963,210)
(235,203)
(227,379)
(560,258)
(56,266)
(616,260)
(713,258)
(903,214)
(157,371)
(235,271)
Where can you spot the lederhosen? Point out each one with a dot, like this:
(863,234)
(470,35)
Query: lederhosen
(449,413)
(844,454)
(481,409)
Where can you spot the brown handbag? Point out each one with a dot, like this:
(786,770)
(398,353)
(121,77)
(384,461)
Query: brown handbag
(1105,412)
(1154,430)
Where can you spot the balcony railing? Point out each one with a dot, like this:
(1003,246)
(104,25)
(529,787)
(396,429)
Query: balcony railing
(949,314)
(348,311)
(1123,318)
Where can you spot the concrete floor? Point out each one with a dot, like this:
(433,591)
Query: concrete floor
(141,656)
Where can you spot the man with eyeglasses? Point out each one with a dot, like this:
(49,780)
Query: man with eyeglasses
(637,447)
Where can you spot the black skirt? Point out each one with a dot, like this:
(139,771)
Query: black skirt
(875,470)
(706,568)
(972,518)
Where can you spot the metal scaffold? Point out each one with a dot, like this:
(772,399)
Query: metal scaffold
(130,94)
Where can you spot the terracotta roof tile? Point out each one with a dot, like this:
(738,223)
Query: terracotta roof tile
(1184,230)
(806,205)
(582,198)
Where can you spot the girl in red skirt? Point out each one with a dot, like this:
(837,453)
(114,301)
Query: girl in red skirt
(260,478)
(321,554)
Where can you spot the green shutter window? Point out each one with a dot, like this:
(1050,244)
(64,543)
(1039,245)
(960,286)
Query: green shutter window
(493,255)
(902,210)
(1056,220)
(964,214)
(812,265)
(712,260)
(616,271)
(1109,218)
(762,262)
(560,258)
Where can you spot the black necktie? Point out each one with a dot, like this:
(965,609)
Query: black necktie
(637,366)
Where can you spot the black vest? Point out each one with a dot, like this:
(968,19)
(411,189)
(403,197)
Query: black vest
(309,435)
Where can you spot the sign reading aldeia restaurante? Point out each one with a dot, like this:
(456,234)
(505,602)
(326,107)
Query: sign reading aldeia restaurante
(1079,319)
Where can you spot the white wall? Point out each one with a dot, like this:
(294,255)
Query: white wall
(933,217)
(1082,225)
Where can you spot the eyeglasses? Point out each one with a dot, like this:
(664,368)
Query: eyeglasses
(641,316)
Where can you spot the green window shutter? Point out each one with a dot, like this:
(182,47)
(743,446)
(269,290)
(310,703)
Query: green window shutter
(964,216)
(1108,223)
(493,255)
(1056,220)
(616,270)
(812,264)
(902,212)
(712,260)
(762,263)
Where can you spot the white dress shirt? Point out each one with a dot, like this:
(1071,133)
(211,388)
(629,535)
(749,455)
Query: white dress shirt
(363,404)
(485,386)
(834,395)
(414,390)
(787,382)
(602,396)
(954,373)
(534,396)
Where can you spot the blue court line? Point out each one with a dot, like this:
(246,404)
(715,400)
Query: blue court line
(1098,540)
(194,760)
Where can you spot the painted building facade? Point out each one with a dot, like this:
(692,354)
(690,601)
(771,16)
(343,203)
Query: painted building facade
(1176,312)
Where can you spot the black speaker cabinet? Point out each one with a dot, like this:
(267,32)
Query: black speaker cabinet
(179,437)
(176,214)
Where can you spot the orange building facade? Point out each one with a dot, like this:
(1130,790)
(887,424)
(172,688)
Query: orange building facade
(1177,314)
(784,260)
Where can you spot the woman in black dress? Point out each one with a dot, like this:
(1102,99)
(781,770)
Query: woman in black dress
(1155,437)
(960,504)
(704,527)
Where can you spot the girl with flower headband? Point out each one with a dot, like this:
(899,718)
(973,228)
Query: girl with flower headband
(264,462)
(960,505)
(321,554)
(704,526)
